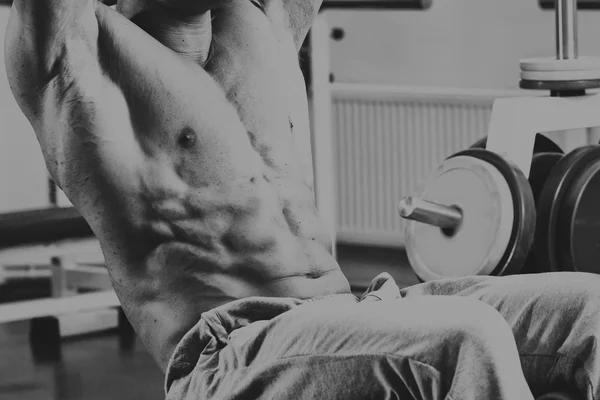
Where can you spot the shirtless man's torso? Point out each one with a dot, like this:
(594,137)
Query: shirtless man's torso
(185,145)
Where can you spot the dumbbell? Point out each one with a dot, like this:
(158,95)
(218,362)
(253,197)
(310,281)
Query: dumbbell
(475,215)
(567,234)
(546,153)
(450,230)
(494,254)
(566,231)
(566,190)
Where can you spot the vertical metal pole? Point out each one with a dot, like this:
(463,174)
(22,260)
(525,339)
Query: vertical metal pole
(566,29)
(322,130)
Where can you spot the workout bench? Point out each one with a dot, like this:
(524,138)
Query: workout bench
(83,300)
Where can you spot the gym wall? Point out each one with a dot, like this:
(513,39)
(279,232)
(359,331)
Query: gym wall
(23,183)
(455,43)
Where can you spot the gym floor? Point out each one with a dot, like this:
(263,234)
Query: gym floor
(96,367)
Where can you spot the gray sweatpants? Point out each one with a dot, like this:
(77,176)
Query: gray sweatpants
(471,338)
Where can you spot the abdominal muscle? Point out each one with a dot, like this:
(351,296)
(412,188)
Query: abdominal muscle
(202,244)
(253,238)
(256,241)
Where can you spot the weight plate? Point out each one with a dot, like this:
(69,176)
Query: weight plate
(556,189)
(560,75)
(578,222)
(539,64)
(542,144)
(541,166)
(524,220)
(484,197)
(564,86)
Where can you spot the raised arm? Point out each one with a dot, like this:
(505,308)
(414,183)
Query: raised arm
(48,45)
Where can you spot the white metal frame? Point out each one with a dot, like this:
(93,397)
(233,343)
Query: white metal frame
(322,139)
(514,122)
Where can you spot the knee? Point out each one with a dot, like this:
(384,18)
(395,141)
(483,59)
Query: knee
(568,296)
(457,330)
(576,305)
(452,320)
(582,288)
(480,326)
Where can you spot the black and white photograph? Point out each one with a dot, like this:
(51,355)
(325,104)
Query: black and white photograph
(300,200)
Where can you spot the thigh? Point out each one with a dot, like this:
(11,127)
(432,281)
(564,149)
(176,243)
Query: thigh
(531,304)
(555,318)
(355,350)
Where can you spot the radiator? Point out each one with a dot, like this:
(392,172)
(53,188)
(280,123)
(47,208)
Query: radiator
(387,140)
